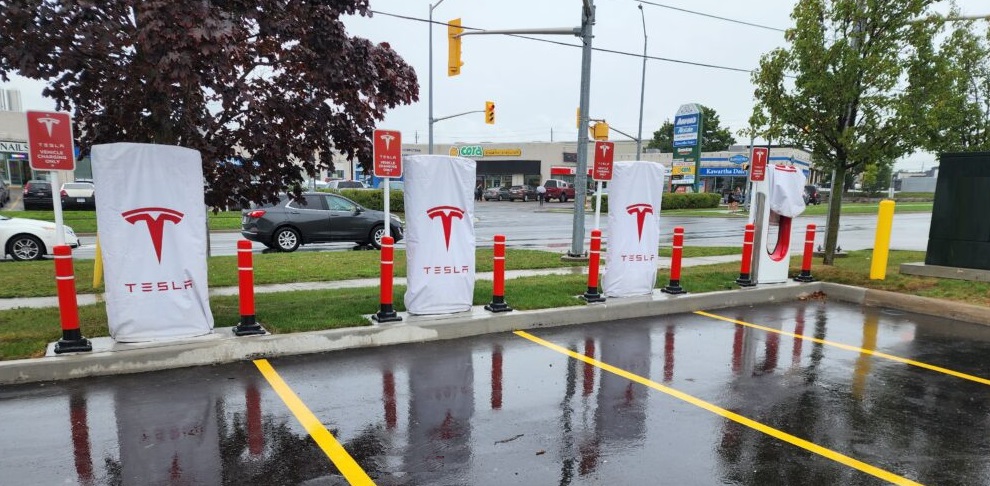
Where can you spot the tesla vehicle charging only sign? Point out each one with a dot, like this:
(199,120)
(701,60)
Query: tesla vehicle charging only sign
(604,155)
(50,140)
(388,153)
(758,171)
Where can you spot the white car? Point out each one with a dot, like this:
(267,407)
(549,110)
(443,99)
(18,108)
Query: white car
(30,239)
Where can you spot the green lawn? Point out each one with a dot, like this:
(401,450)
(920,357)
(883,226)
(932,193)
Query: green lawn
(25,332)
(37,278)
(84,222)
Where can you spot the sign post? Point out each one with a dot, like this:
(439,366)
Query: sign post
(50,149)
(758,171)
(604,157)
(388,164)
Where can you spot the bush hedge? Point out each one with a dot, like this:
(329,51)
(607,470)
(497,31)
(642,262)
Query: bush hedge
(704,200)
(373,198)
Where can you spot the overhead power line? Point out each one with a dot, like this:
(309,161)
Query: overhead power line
(599,49)
(692,12)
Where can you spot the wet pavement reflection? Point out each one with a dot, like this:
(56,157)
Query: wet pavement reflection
(501,409)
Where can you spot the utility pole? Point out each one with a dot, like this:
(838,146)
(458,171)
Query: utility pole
(430,144)
(642,90)
(581,172)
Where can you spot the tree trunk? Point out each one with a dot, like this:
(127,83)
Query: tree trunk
(834,209)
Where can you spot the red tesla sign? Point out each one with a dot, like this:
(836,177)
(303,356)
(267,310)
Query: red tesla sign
(388,153)
(604,155)
(758,171)
(50,140)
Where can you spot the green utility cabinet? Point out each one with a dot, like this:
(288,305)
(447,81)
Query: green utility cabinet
(960,231)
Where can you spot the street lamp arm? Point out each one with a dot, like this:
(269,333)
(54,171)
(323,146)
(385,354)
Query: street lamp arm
(457,115)
(635,139)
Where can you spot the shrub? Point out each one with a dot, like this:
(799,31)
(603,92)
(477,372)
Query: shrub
(705,200)
(373,198)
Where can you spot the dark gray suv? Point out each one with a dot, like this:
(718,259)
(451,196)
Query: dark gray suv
(318,217)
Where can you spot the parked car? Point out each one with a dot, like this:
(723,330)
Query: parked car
(558,189)
(80,195)
(318,217)
(4,192)
(30,239)
(346,185)
(522,193)
(811,195)
(37,194)
(496,193)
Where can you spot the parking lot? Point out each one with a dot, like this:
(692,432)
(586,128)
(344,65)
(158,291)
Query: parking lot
(804,392)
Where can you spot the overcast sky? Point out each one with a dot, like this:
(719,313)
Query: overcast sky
(535,85)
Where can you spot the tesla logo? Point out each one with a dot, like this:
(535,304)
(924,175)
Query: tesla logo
(48,122)
(604,148)
(785,168)
(640,210)
(388,139)
(446,215)
(155,218)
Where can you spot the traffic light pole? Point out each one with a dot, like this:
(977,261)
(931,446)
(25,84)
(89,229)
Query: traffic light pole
(434,120)
(581,174)
(430,146)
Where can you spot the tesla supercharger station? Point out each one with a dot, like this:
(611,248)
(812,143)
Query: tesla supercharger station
(777,198)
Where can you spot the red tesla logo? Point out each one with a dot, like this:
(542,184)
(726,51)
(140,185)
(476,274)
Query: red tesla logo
(155,218)
(640,210)
(446,215)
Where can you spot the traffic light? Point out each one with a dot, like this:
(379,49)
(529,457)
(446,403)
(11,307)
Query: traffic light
(577,118)
(490,112)
(599,131)
(454,63)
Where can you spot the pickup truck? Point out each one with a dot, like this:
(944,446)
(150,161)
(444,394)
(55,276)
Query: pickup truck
(558,189)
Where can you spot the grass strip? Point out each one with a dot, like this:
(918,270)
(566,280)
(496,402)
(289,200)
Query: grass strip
(24,333)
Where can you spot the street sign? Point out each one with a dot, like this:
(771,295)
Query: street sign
(604,155)
(758,171)
(50,140)
(388,153)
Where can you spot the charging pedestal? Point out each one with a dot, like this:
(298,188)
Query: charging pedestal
(776,201)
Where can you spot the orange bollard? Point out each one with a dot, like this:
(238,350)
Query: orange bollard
(592,294)
(744,279)
(385,311)
(68,307)
(498,288)
(674,287)
(245,279)
(809,250)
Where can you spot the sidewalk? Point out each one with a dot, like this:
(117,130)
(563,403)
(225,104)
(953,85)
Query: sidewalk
(88,299)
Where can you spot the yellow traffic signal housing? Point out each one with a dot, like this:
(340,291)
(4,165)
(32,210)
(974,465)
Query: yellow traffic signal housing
(577,118)
(454,31)
(599,131)
(490,112)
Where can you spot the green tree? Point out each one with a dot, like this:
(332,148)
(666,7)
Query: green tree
(714,137)
(261,88)
(837,87)
(953,83)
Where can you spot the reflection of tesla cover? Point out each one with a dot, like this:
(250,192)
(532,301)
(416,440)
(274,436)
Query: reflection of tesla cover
(439,204)
(634,196)
(153,240)
(168,435)
(786,191)
(441,405)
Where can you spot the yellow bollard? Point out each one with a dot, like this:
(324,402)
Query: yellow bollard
(98,266)
(881,246)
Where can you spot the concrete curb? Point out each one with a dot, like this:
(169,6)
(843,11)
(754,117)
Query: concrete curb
(222,346)
(109,358)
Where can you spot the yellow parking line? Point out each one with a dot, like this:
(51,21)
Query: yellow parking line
(336,452)
(856,349)
(766,429)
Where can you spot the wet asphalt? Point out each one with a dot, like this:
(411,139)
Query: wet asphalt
(699,401)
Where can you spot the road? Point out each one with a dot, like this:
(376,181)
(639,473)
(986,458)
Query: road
(526,225)
(812,392)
